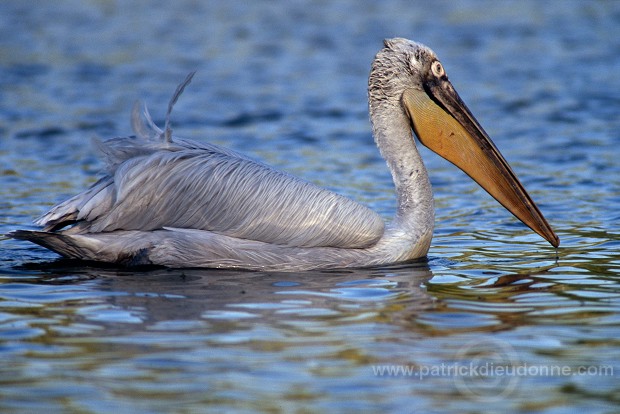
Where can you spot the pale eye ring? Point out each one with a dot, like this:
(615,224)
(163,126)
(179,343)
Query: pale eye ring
(437,69)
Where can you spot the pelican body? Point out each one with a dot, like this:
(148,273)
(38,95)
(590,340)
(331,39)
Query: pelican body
(178,203)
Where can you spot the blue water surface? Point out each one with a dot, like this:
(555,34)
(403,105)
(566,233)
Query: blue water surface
(495,321)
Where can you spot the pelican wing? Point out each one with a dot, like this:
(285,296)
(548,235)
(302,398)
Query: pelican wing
(183,184)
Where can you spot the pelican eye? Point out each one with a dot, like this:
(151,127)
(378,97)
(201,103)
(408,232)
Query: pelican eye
(437,69)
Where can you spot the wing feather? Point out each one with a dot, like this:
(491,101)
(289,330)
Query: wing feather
(201,189)
(154,182)
(200,186)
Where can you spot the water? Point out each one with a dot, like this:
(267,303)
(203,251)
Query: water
(285,82)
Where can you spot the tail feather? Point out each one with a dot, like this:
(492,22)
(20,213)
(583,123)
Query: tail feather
(82,247)
(61,244)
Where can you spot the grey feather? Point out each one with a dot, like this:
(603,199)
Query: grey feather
(173,101)
(213,191)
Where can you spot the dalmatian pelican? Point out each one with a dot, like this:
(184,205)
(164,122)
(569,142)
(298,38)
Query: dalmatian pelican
(174,202)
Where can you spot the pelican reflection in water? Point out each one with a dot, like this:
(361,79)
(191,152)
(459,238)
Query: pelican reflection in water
(179,203)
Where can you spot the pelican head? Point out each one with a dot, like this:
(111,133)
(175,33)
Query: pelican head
(409,74)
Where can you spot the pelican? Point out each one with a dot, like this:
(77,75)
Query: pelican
(179,203)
